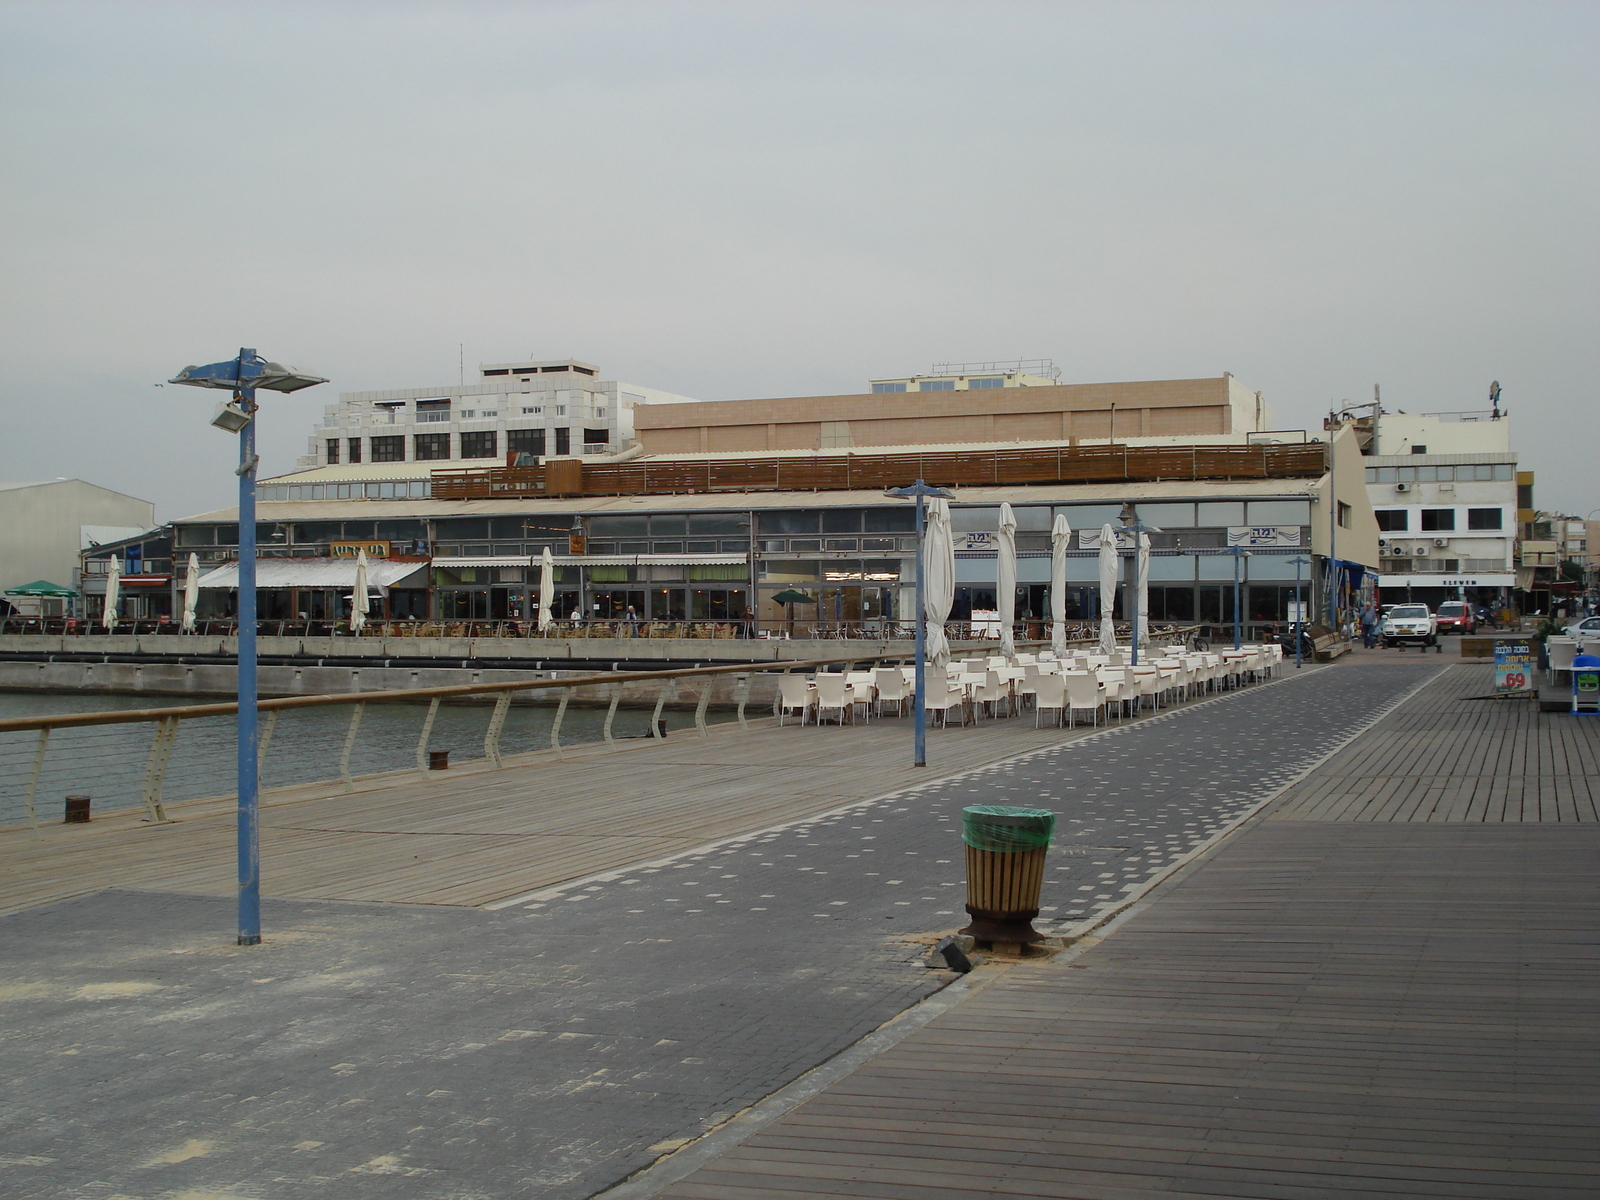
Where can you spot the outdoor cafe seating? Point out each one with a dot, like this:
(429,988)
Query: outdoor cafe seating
(1079,686)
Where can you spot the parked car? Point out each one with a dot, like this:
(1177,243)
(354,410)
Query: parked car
(1410,624)
(1589,627)
(1456,616)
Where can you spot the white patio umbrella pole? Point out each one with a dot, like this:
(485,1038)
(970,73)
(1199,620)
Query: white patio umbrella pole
(113,587)
(359,605)
(1060,543)
(547,589)
(1142,575)
(1109,564)
(939,561)
(191,593)
(1006,581)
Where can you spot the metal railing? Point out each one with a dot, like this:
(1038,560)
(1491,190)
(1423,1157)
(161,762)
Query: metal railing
(25,761)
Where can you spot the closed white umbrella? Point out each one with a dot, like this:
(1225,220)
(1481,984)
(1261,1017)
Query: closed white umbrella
(1109,564)
(1006,580)
(547,590)
(113,588)
(359,605)
(1142,574)
(938,579)
(1060,543)
(191,593)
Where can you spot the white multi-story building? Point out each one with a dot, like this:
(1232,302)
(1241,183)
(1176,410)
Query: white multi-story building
(548,409)
(1444,489)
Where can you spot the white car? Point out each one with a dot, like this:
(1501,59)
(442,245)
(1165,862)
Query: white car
(1410,624)
(1587,629)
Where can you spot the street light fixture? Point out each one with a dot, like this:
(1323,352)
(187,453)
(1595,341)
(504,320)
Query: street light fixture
(920,491)
(242,376)
(1131,522)
(1239,555)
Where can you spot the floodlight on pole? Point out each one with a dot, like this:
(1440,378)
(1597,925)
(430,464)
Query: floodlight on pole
(920,491)
(242,376)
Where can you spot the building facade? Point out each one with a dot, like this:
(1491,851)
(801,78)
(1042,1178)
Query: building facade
(1444,491)
(554,408)
(44,526)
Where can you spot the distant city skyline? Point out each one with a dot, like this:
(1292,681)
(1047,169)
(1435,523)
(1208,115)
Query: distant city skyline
(734,201)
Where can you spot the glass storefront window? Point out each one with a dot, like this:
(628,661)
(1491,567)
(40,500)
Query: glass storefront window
(1279,512)
(1215,513)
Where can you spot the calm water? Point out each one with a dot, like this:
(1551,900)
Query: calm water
(108,762)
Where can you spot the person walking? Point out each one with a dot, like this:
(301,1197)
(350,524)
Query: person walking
(1369,624)
(631,620)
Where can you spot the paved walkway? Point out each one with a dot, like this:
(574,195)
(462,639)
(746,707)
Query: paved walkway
(553,1046)
(1390,1008)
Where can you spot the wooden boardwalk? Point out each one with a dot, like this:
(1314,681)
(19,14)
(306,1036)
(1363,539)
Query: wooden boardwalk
(1383,1007)
(1447,757)
(472,836)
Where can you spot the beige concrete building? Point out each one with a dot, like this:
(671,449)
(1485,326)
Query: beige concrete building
(44,525)
(1183,410)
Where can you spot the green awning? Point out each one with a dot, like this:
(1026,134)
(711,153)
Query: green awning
(41,587)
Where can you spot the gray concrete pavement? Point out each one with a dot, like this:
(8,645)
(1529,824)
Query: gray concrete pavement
(553,1047)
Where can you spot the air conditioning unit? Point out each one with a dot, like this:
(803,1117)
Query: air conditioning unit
(1402,487)
(1422,552)
(1400,552)
(1441,541)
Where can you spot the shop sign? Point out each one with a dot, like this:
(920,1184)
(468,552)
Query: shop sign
(1513,668)
(1089,539)
(1251,536)
(976,541)
(349,549)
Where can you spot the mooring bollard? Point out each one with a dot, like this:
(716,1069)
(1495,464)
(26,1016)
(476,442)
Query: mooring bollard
(1006,849)
(438,760)
(77,811)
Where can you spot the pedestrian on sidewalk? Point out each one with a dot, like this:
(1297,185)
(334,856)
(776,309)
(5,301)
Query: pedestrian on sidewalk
(631,621)
(1369,624)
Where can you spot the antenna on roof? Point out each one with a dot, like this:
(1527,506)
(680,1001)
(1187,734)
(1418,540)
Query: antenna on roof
(1494,400)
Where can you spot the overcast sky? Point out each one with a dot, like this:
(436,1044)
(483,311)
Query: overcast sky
(732,200)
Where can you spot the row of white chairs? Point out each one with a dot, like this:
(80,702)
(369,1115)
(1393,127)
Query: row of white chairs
(1087,684)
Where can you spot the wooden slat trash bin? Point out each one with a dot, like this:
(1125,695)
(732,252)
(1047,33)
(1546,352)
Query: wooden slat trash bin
(1006,849)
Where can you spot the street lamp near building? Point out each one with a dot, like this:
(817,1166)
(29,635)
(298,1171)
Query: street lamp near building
(243,376)
(1299,607)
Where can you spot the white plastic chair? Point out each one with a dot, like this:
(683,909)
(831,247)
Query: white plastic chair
(1083,695)
(862,695)
(832,695)
(993,692)
(1050,695)
(944,696)
(892,688)
(794,694)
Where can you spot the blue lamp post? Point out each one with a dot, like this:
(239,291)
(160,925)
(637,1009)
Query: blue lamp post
(920,491)
(1239,555)
(1299,607)
(243,376)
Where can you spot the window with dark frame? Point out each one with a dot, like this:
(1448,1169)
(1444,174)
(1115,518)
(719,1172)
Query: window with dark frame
(1343,515)
(525,441)
(592,437)
(1438,520)
(563,441)
(479,445)
(1393,520)
(430,447)
(355,450)
(389,449)
(1484,518)
(333,451)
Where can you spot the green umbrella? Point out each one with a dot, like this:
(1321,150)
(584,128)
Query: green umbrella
(790,596)
(41,587)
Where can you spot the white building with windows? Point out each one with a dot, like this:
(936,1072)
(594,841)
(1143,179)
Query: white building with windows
(549,409)
(962,377)
(1444,489)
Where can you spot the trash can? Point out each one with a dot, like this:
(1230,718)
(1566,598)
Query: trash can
(1006,848)
(1586,684)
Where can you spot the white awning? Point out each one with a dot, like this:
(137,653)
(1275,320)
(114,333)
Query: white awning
(597,560)
(484,560)
(335,573)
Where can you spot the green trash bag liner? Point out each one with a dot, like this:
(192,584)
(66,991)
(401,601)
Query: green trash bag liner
(1004,829)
